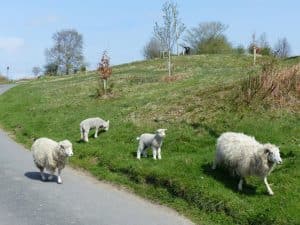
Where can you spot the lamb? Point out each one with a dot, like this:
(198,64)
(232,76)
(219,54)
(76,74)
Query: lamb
(244,156)
(151,140)
(50,154)
(90,123)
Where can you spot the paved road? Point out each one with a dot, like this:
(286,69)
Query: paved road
(26,200)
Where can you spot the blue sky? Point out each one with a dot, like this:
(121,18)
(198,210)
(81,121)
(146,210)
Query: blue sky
(124,27)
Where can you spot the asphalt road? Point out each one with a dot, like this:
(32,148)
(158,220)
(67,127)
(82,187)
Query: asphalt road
(81,199)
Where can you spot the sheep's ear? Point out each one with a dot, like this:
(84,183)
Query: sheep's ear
(62,147)
(267,151)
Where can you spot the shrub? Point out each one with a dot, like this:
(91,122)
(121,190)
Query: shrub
(215,45)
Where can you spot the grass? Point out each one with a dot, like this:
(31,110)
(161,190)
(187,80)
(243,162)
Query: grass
(196,107)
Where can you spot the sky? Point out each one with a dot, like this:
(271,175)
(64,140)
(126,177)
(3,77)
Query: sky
(124,27)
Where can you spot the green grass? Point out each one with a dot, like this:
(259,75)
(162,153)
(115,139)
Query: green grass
(195,108)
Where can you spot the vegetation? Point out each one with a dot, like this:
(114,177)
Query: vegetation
(205,98)
(67,51)
(169,33)
(3,79)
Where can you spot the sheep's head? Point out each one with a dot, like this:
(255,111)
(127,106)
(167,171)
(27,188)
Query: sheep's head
(161,132)
(273,153)
(66,147)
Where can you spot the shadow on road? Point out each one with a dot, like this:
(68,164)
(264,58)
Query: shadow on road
(37,176)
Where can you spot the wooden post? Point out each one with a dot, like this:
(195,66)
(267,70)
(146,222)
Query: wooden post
(254,55)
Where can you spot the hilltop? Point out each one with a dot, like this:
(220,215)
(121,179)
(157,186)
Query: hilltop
(204,98)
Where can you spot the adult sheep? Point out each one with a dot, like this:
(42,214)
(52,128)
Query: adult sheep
(244,156)
(49,154)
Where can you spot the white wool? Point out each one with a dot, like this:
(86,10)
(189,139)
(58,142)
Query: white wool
(244,156)
(49,154)
(91,123)
(151,140)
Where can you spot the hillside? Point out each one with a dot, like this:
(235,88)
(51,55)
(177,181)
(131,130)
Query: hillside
(196,106)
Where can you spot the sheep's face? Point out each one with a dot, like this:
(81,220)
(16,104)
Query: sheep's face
(273,153)
(66,147)
(161,132)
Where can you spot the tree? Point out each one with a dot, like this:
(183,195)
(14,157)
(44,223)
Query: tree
(282,48)
(214,45)
(51,69)
(105,70)
(36,70)
(262,45)
(169,33)
(207,32)
(67,51)
(152,49)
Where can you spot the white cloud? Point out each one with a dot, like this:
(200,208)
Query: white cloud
(11,44)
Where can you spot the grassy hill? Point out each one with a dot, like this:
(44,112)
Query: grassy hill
(203,99)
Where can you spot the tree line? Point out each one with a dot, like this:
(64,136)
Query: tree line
(206,38)
(66,54)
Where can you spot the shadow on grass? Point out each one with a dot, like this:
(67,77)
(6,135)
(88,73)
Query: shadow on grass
(91,136)
(37,176)
(231,182)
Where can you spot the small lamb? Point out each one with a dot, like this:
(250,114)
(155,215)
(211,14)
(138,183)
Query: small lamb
(151,140)
(50,154)
(90,123)
(244,156)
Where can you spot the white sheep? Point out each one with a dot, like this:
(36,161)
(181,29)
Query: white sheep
(244,156)
(151,140)
(90,123)
(50,154)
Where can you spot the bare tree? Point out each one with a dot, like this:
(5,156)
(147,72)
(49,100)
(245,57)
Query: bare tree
(282,48)
(152,49)
(169,33)
(36,70)
(67,50)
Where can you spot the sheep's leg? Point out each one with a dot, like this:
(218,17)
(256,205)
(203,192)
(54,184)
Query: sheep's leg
(215,163)
(268,186)
(96,132)
(86,135)
(42,174)
(154,150)
(59,180)
(81,133)
(51,175)
(240,186)
(144,152)
(159,153)
(139,151)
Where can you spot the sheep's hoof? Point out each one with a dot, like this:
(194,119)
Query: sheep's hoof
(271,193)
(43,178)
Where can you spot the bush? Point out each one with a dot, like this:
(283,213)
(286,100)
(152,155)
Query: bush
(273,87)
(51,69)
(216,45)
(152,49)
